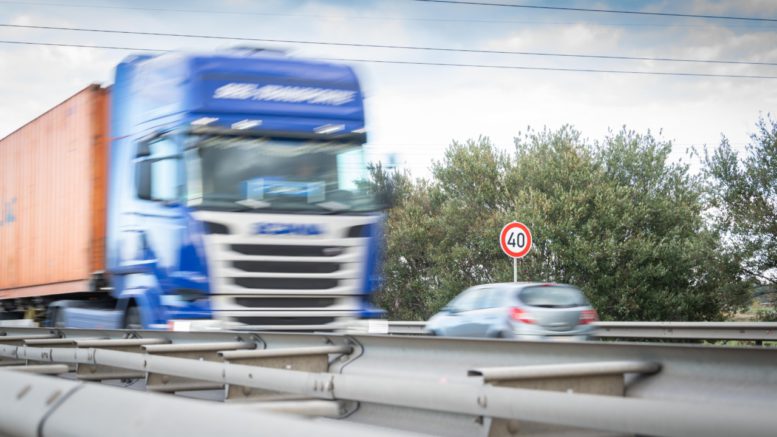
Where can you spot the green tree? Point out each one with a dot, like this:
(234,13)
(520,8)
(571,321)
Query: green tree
(743,192)
(612,217)
(390,185)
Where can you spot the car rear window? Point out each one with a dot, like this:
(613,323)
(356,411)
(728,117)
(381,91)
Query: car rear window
(552,297)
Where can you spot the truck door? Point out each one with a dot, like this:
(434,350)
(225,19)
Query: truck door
(158,214)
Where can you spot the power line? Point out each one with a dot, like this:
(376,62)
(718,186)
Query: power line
(138,8)
(445,64)
(82,46)
(608,11)
(327,17)
(390,46)
(577,70)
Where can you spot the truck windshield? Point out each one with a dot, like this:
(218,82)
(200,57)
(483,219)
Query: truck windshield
(247,173)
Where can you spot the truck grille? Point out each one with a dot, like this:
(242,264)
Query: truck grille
(287,283)
(285,267)
(282,302)
(285,321)
(279,250)
(289,280)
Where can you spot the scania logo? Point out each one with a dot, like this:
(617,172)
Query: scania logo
(287,229)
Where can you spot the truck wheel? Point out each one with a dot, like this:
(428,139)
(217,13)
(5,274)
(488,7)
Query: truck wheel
(55,318)
(132,318)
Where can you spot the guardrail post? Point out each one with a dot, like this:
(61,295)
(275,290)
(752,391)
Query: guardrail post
(599,378)
(193,351)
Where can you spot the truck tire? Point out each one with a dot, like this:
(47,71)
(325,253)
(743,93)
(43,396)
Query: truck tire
(55,317)
(132,318)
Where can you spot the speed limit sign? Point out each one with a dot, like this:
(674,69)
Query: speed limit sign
(515,240)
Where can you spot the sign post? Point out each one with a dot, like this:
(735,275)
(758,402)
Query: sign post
(515,241)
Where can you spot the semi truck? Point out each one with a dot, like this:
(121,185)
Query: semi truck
(209,189)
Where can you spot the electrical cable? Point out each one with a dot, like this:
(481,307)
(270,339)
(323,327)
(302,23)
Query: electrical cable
(388,46)
(443,64)
(608,11)
(324,17)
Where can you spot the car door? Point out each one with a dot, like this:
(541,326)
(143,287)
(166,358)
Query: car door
(461,314)
(488,315)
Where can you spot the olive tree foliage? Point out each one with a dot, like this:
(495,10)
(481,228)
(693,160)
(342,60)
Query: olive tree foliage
(406,242)
(743,191)
(613,217)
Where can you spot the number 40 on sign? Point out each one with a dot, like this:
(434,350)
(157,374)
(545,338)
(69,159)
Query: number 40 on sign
(515,241)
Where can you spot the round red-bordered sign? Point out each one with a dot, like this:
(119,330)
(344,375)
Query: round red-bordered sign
(515,239)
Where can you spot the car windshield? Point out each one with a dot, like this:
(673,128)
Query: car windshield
(553,296)
(247,173)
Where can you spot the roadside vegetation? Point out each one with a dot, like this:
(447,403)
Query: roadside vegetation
(642,235)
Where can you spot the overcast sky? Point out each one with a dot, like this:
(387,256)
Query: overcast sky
(416,111)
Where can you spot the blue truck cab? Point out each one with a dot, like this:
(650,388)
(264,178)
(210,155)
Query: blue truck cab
(237,194)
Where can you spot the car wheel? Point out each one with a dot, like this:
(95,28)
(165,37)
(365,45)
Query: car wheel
(501,334)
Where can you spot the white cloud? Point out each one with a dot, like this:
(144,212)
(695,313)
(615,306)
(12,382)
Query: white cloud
(743,8)
(41,77)
(580,38)
(416,111)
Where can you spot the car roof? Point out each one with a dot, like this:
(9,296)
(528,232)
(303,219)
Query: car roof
(520,284)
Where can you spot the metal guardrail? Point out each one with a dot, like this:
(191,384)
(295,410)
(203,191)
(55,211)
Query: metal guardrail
(416,384)
(746,331)
(33,405)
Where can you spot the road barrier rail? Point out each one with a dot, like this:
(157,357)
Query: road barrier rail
(415,384)
(745,331)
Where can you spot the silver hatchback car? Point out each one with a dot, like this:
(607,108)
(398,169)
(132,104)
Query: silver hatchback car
(524,310)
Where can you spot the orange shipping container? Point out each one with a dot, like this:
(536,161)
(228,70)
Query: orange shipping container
(52,198)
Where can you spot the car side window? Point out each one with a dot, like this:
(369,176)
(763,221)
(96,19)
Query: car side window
(487,298)
(499,297)
(466,301)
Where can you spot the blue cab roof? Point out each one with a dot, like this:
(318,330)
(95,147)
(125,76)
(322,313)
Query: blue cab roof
(241,89)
